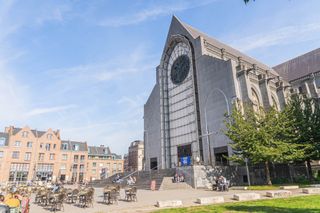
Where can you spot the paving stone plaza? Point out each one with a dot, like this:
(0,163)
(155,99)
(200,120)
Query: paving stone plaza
(147,199)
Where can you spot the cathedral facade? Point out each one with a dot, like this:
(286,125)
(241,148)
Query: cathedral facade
(199,79)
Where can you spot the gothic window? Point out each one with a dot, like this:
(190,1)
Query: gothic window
(274,103)
(255,100)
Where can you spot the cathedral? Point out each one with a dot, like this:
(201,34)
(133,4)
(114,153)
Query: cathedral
(198,81)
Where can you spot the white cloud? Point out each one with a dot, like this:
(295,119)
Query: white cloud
(40,111)
(286,35)
(167,8)
(139,60)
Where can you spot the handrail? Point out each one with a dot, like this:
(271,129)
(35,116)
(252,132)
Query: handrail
(138,171)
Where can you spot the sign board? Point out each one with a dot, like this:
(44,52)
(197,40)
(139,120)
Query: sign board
(185,161)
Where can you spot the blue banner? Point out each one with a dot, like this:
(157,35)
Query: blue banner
(185,161)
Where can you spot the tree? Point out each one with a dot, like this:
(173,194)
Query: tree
(266,136)
(305,112)
(247,1)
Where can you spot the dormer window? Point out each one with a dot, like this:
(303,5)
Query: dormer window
(25,134)
(75,147)
(49,136)
(2,141)
(64,146)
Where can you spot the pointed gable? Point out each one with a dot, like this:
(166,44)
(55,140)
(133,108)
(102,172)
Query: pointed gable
(179,27)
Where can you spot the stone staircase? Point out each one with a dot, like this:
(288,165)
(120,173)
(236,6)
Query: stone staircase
(167,184)
(143,178)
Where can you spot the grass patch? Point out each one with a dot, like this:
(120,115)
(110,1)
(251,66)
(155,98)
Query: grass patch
(264,187)
(302,204)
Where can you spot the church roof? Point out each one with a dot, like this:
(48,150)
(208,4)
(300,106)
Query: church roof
(196,33)
(300,66)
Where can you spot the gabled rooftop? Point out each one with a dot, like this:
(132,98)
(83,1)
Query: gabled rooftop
(196,33)
(300,66)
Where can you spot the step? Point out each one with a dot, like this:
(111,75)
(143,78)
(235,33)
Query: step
(311,190)
(239,188)
(246,196)
(210,200)
(278,193)
(169,203)
(289,187)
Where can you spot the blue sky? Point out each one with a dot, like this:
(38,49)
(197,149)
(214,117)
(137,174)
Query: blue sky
(87,67)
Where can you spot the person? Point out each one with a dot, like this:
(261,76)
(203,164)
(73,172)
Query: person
(55,188)
(4,208)
(130,181)
(175,178)
(181,178)
(25,204)
(222,183)
(12,201)
(2,200)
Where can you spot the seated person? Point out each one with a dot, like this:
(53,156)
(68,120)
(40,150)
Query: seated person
(55,188)
(2,200)
(130,181)
(181,178)
(13,201)
(222,183)
(175,178)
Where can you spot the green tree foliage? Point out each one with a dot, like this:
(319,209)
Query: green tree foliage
(266,136)
(305,112)
(247,1)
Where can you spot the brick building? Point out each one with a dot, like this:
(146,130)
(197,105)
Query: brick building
(28,154)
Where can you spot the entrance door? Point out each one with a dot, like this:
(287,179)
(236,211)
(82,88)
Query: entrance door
(184,155)
(153,163)
(221,154)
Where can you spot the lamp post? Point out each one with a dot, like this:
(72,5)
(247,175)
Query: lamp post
(206,119)
(144,148)
(248,174)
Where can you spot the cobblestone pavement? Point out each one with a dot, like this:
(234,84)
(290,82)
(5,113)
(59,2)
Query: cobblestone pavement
(147,200)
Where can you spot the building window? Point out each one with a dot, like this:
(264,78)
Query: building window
(119,167)
(54,146)
(18,172)
(318,82)
(1,154)
(52,156)
(64,157)
(75,158)
(25,134)
(94,164)
(48,146)
(255,100)
(63,166)
(75,147)
(81,168)
(64,146)
(17,144)
(101,164)
(114,167)
(74,168)
(15,155)
(29,144)
(41,145)
(2,141)
(82,158)
(93,171)
(41,156)
(49,136)
(27,156)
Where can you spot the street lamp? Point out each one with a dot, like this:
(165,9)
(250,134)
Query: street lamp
(145,139)
(206,119)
